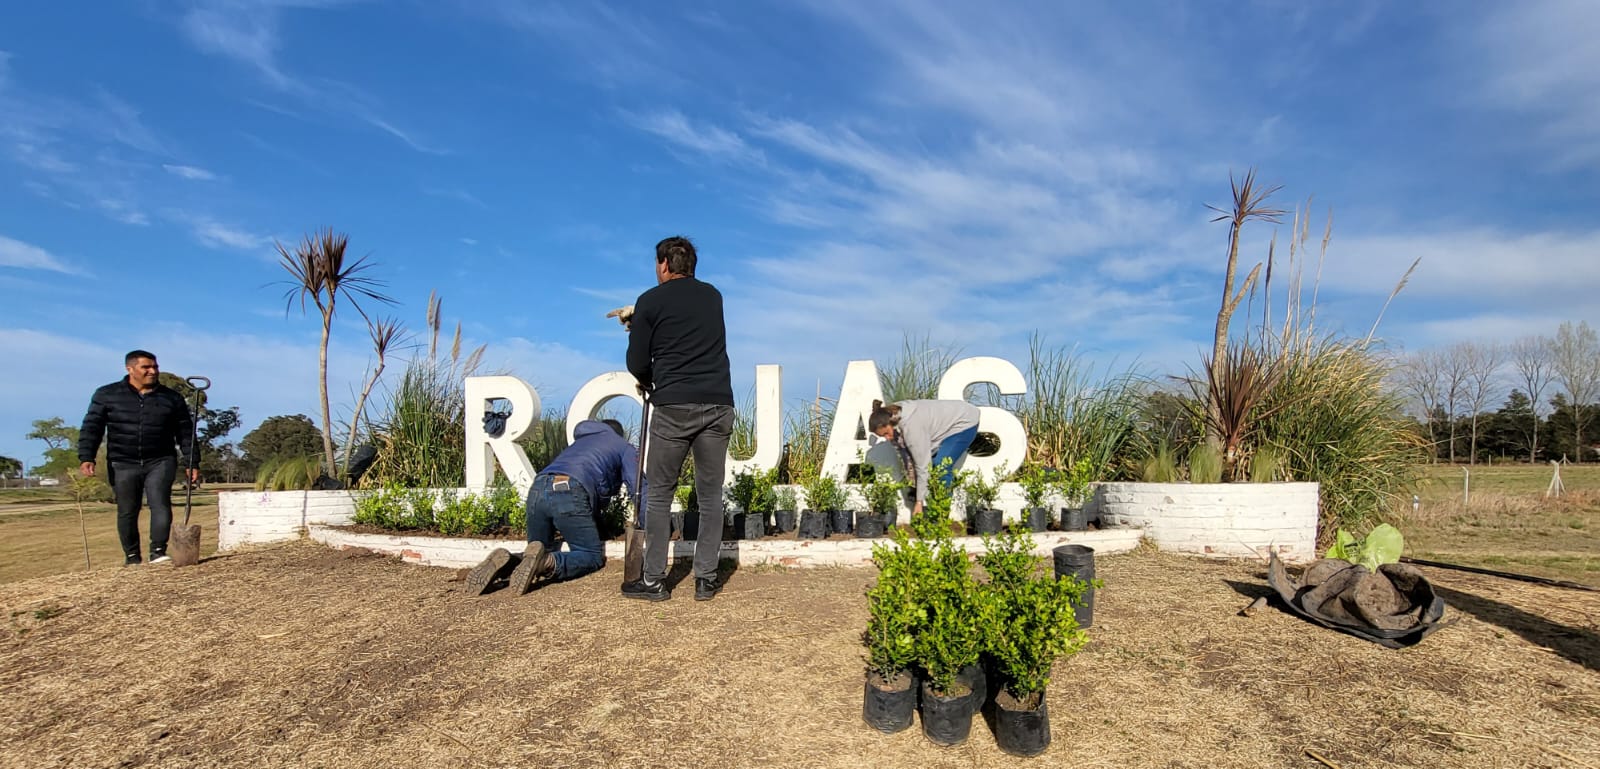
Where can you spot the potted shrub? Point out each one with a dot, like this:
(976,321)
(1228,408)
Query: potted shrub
(753,499)
(883,496)
(784,515)
(1036,491)
(1072,487)
(1028,622)
(979,500)
(948,639)
(687,518)
(822,499)
(890,695)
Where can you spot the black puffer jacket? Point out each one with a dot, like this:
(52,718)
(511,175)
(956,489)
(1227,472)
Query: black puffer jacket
(137,427)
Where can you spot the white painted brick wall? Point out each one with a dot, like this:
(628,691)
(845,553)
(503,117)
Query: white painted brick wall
(1217,519)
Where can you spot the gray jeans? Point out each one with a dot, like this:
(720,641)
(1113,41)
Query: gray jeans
(675,431)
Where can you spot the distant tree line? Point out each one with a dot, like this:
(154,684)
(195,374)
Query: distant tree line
(1547,389)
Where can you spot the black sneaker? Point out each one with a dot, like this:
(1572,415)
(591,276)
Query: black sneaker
(133,559)
(160,556)
(537,565)
(492,568)
(646,590)
(707,589)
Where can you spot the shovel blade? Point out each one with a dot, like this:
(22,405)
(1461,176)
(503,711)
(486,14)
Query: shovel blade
(184,545)
(633,554)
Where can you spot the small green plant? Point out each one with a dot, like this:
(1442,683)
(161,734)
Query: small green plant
(416,509)
(1028,621)
(1382,545)
(1072,485)
(823,494)
(951,636)
(1266,465)
(934,522)
(883,492)
(1036,486)
(979,493)
(685,497)
(786,500)
(1205,464)
(753,491)
(381,508)
(1159,467)
(509,506)
(893,612)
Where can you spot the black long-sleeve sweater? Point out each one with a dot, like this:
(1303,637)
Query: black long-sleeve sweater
(678,344)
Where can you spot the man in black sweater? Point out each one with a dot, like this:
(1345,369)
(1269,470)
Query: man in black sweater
(142,422)
(678,351)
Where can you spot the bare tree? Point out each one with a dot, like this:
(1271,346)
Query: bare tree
(1531,357)
(1482,361)
(1575,359)
(1453,385)
(1419,378)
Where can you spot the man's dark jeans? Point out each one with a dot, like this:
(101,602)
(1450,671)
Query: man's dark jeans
(566,506)
(134,481)
(676,430)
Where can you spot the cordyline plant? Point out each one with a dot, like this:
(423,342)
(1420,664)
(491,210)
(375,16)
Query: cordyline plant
(1233,394)
(319,272)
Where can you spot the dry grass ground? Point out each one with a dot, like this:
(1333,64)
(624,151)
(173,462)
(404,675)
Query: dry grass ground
(40,534)
(300,656)
(1507,523)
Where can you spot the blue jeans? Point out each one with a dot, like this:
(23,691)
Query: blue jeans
(571,511)
(952,448)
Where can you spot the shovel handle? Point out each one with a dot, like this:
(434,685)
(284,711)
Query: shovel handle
(199,382)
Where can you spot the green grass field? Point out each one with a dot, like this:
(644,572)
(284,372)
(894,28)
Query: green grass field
(1507,524)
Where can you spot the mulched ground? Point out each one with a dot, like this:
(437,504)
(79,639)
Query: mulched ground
(297,655)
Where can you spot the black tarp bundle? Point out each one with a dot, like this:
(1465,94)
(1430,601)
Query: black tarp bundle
(1394,606)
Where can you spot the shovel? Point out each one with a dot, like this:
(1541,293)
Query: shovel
(184,542)
(633,540)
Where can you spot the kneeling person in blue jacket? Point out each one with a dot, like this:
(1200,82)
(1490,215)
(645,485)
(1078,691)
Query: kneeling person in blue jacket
(567,497)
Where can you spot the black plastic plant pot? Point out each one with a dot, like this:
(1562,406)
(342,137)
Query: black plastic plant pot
(813,525)
(677,523)
(888,706)
(1018,730)
(689,524)
(1074,519)
(869,525)
(842,521)
(976,680)
(754,526)
(784,520)
(1078,560)
(986,521)
(946,721)
(1038,518)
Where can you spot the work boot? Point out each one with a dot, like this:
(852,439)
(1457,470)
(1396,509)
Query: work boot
(537,565)
(492,568)
(646,590)
(707,589)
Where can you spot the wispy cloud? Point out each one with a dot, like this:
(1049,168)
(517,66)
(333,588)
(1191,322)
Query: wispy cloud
(705,139)
(1538,59)
(456,194)
(26,256)
(247,31)
(214,234)
(190,172)
(469,241)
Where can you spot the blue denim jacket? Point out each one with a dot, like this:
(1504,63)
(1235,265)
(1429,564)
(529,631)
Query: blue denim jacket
(600,460)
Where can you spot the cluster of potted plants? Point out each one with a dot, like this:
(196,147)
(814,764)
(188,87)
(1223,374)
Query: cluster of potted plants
(940,641)
(1040,487)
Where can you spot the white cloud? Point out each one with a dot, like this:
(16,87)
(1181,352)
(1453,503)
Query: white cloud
(1472,265)
(469,241)
(214,234)
(15,253)
(1538,58)
(705,139)
(247,31)
(190,172)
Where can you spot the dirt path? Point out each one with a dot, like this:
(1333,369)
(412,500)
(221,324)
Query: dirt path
(302,656)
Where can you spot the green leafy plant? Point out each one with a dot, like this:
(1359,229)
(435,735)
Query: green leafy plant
(1036,486)
(1159,467)
(952,634)
(883,492)
(1028,620)
(980,493)
(1072,485)
(786,500)
(1266,465)
(382,508)
(416,509)
(823,493)
(1382,545)
(1205,464)
(893,612)
(509,506)
(934,521)
(753,491)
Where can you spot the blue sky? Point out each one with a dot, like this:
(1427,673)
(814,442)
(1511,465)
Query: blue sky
(850,170)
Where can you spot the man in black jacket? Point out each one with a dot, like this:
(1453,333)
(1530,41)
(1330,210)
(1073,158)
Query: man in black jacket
(678,351)
(142,421)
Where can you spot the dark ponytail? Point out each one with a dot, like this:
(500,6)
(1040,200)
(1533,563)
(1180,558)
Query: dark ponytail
(883,416)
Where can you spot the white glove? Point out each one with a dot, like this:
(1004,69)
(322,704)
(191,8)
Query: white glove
(624,315)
